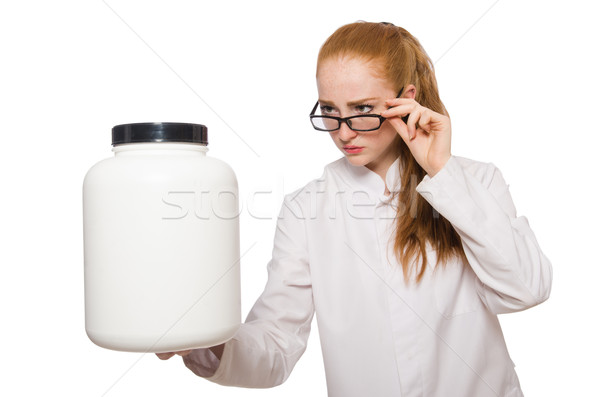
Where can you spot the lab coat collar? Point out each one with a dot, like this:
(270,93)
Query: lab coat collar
(363,178)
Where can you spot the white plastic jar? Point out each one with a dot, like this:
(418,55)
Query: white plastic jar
(161,242)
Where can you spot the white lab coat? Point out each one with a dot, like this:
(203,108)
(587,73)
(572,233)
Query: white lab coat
(381,336)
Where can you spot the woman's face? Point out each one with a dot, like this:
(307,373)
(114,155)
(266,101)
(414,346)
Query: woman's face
(350,87)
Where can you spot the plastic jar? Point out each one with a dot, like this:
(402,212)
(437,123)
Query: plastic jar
(161,242)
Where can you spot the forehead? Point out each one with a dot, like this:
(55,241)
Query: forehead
(350,76)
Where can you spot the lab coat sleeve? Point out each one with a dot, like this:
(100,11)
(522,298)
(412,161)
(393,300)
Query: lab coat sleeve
(513,273)
(267,346)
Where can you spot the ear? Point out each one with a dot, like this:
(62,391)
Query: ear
(410,92)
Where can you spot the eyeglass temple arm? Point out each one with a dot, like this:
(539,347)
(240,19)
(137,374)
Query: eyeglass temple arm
(312,112)
(405,118)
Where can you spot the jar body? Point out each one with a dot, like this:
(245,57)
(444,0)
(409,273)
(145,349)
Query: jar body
(161,249)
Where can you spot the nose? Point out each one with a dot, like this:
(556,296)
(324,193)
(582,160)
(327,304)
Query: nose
(346,134)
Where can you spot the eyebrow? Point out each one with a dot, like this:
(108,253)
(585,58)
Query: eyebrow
(323,102)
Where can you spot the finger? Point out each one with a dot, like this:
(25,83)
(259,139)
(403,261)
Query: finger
(428,120)
(402,111)
(398,101)
(398,109)
(425,120)
(402,115)
(414,122)
(184,353)
(409,112)
(165,356)
(400,128)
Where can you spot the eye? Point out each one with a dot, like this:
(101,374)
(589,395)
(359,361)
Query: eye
(327,110)
(364,109)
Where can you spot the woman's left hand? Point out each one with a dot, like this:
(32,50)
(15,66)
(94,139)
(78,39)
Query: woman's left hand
(426,133)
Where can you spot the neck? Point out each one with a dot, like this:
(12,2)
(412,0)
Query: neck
(382,165)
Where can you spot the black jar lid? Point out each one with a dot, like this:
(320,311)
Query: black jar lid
(159,132)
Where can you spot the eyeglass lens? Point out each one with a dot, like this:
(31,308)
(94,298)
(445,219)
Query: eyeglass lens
(360,123)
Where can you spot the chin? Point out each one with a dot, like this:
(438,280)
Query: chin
(356,160)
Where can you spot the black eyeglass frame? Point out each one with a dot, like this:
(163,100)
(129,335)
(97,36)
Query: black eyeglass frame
(341,120)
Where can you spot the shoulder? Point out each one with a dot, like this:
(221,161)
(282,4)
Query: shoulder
(485,172)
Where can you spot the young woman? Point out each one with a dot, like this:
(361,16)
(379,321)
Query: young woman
(405,252)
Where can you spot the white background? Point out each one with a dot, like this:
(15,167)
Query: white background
(520,80)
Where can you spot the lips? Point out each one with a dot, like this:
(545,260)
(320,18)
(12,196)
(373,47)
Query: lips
(353,149)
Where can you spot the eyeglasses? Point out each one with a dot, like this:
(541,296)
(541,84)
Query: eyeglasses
(361,123)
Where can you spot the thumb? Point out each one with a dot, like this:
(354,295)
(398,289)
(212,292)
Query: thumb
(165,356)
(401,128)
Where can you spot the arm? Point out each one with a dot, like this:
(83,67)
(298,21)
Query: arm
(501,248)
(267,346)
